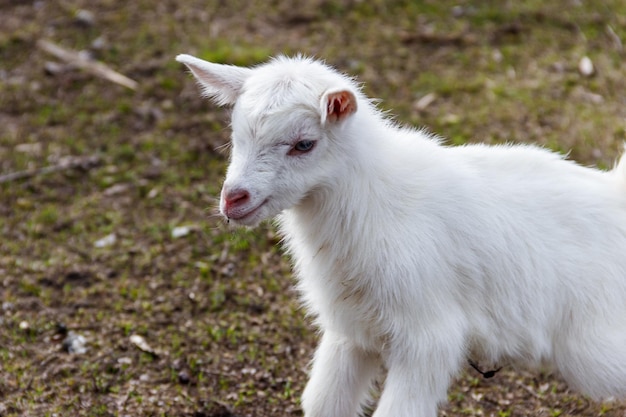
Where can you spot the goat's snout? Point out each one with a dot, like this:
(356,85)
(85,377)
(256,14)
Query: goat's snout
(233,201)
(236,197)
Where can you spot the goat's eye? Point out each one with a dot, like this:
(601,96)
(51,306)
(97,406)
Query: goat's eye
(304,145)
(301,147)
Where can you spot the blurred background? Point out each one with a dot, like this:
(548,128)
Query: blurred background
(124,294)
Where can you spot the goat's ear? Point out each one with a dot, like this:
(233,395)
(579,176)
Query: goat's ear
(220,82)
(337,105)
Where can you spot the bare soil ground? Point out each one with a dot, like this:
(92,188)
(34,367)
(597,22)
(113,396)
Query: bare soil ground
(107,194)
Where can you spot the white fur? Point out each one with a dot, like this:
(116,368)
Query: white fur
(414,256)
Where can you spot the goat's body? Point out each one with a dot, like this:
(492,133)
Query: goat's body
(413,256)
(518,250)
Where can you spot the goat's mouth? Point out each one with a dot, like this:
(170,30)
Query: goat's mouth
(246,216)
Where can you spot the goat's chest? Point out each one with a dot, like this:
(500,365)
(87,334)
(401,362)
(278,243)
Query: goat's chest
(344,280)
(344,300)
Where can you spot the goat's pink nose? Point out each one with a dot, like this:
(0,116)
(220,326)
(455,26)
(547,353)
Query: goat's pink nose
(234,198)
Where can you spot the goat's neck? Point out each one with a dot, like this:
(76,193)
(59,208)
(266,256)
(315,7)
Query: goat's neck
(340,213)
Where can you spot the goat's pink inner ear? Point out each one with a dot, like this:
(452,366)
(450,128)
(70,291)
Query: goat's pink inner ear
(339,105)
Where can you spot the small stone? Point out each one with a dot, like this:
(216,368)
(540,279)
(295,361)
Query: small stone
(108,240)
(183,377)
(85,18)
(74,343)
(116,189)
(54,68)
(99,43)
(125,360)
(141,344)
(152,193)
(585,67)
(180,231)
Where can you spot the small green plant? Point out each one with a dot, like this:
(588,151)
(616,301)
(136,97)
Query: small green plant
(48,215)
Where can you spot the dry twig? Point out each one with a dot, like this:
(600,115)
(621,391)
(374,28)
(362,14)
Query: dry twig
(95,67)
(86,162)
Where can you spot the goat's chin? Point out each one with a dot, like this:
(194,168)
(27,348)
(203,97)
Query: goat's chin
(251,221)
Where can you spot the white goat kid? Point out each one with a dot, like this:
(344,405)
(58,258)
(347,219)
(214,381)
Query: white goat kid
(414,256)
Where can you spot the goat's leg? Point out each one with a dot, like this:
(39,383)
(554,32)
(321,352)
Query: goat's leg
(593,358)
(341,377)
(420,370)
